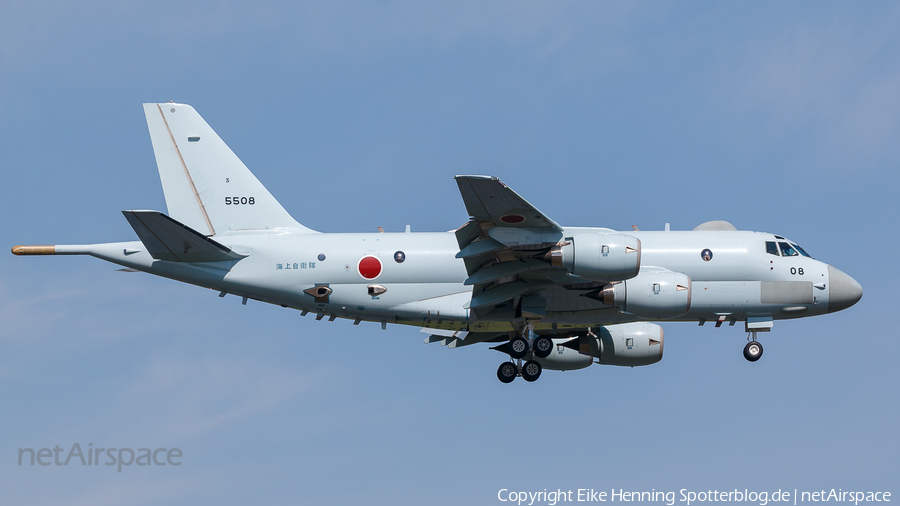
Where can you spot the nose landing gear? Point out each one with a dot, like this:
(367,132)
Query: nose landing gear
(754,350)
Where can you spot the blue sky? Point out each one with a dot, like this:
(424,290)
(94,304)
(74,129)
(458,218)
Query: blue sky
(780,117)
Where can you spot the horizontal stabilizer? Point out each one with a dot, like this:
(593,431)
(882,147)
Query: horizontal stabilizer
(167,239)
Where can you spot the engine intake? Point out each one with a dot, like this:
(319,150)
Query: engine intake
(654,293)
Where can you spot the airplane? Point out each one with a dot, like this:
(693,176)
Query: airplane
(548,296)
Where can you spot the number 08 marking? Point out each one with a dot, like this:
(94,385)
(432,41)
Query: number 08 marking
(795,270)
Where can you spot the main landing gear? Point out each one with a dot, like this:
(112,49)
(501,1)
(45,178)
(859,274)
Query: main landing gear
(754,350)
(508,371)
(519,348)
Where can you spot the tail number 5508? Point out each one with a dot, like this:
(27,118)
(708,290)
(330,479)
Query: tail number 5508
(239,201)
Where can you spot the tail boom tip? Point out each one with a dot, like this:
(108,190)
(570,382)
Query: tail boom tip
(34,250)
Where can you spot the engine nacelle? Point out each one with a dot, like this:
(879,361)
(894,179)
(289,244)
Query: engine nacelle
(625,344)
(599,257)
(564,358)
(655,293)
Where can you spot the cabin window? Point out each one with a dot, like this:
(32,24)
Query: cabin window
(771,248)
(787,250)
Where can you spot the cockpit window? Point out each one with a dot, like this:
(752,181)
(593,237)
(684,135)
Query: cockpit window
(771,248)
(787,250)
(801,250)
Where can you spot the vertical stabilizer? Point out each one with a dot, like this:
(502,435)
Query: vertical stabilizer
(206,185)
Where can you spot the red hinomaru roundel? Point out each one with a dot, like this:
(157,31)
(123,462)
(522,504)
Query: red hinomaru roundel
(512,218)
(369,267)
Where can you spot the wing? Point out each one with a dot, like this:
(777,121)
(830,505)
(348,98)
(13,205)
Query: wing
(489,200)
(507,247)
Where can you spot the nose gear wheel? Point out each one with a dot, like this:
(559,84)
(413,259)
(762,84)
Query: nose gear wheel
(753,350)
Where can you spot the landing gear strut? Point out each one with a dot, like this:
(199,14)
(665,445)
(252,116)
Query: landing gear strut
(753,351)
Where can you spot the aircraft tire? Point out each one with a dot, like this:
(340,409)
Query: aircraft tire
(518,347)
(753,351)
(531,371)
(543,346)
(507,372)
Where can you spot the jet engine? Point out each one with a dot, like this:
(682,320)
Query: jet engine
(626,344)
(599,257)
(564,358)
(655,293)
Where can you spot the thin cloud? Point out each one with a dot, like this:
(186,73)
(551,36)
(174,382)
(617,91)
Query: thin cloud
(836,81)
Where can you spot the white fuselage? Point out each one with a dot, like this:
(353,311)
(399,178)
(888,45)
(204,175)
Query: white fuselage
(427,288)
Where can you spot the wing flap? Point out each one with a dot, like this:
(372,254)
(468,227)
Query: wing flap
(480,247)
(455,339)
(505,292)
(502,270)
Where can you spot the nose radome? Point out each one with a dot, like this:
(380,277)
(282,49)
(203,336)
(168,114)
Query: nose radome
(843,291)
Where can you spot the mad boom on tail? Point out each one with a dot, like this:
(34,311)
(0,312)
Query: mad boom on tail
(554,297)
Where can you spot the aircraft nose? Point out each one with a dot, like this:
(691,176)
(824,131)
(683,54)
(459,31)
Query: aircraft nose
(843,291)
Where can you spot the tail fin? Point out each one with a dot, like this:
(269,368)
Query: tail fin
(206,185)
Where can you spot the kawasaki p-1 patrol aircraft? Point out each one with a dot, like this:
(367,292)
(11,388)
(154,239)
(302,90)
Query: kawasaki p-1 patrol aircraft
(551,297)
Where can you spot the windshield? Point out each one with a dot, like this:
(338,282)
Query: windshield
(787,250)
(801,250)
